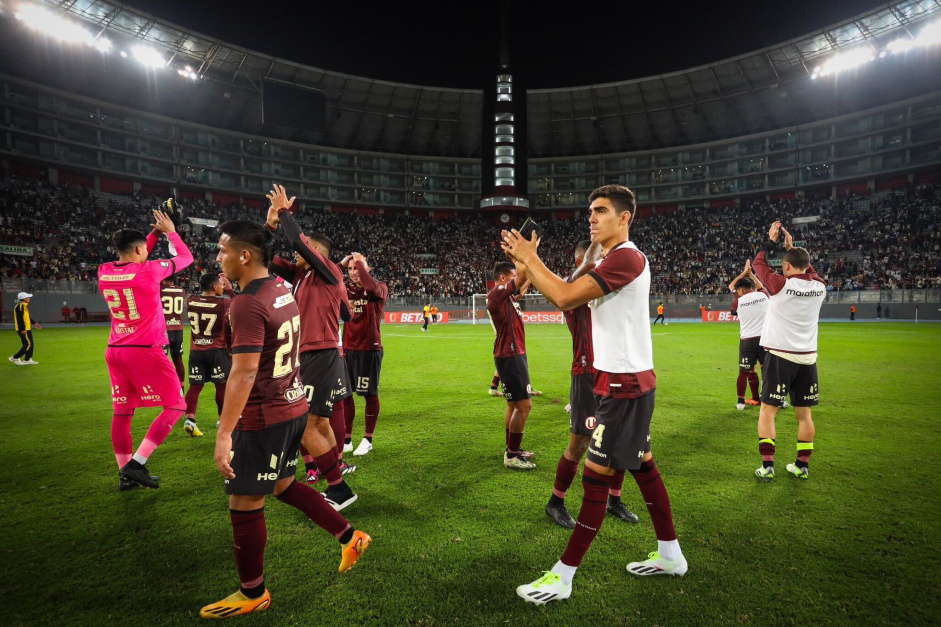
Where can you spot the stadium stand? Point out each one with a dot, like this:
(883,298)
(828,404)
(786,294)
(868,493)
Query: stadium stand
(888,241)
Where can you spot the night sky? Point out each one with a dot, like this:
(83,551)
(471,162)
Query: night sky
(455,44)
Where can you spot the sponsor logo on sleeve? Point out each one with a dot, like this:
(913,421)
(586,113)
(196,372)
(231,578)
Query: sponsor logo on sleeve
(283,300)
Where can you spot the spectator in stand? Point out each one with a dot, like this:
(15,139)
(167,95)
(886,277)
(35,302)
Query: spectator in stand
(886,242)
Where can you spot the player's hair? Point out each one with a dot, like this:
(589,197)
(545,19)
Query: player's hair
(245,234)
(582,247)
(321,239)
(124,240)
(502,267)
(744,283)
(208,281)
(798,257)
(621,197)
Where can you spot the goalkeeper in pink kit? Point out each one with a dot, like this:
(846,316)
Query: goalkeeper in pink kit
(141,374)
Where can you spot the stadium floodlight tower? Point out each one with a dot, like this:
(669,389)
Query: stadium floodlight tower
(504,150)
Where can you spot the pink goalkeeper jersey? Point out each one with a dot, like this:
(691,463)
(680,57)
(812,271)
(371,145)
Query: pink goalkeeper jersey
(132,292)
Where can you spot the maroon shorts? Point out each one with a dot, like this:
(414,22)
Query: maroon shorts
(142,377)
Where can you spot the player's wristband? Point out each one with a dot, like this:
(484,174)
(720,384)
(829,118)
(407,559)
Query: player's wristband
(272,229)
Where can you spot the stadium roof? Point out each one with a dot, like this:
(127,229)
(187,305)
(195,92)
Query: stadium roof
(362,113)
(759,91)
(754,92)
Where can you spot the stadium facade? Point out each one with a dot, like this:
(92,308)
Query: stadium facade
(763,124)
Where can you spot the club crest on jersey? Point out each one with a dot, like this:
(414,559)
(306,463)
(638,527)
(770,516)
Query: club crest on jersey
(281,301)
(590,422)
(165,264)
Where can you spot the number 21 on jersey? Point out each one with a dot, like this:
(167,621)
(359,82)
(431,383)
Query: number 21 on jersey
(116,303)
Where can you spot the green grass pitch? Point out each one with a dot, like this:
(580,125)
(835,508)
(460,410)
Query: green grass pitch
(455,533)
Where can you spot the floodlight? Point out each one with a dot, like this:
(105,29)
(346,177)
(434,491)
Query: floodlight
(847,60)
(930,35)
(148,57)
(42,20)
(103,44)
(900,45)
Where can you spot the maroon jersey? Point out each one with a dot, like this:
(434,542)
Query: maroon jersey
(207,322)
(318,301)
(172,298)
(367,304)
(264,319)
(507,320)
(583,355)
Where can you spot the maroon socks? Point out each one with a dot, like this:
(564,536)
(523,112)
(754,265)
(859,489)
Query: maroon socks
(250,536)
(594,506)
(372,415)
(314,506)
(564,475)
(655,496)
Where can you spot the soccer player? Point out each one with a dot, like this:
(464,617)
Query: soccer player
(141,375)
(434,314)
(789,335)
(582,404)
(209,351)
(172,298)
(619,291)
(750,305)
(660,314)
(263,418)
(24,328)
(426,312)
(852,312)
(509,356)
(317,286)
(362,345)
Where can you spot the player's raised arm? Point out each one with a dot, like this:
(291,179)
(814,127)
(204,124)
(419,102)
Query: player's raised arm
(280,207)
(744,273)
(563,295)
(592,257)
(152,238)
(773,281)
(226,286)
(183,256)
(373,287)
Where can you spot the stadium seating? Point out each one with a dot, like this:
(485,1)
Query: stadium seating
(888,241)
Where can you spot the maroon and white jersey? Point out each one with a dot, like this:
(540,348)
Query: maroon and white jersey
(264,319)
(207,322)
(172,298)
(367,304)
(791,323)
(751,309)
(579,323)
(318,301)
(507,320)
(621,324)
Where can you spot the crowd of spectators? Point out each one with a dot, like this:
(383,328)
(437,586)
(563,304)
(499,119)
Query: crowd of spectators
(891,242)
